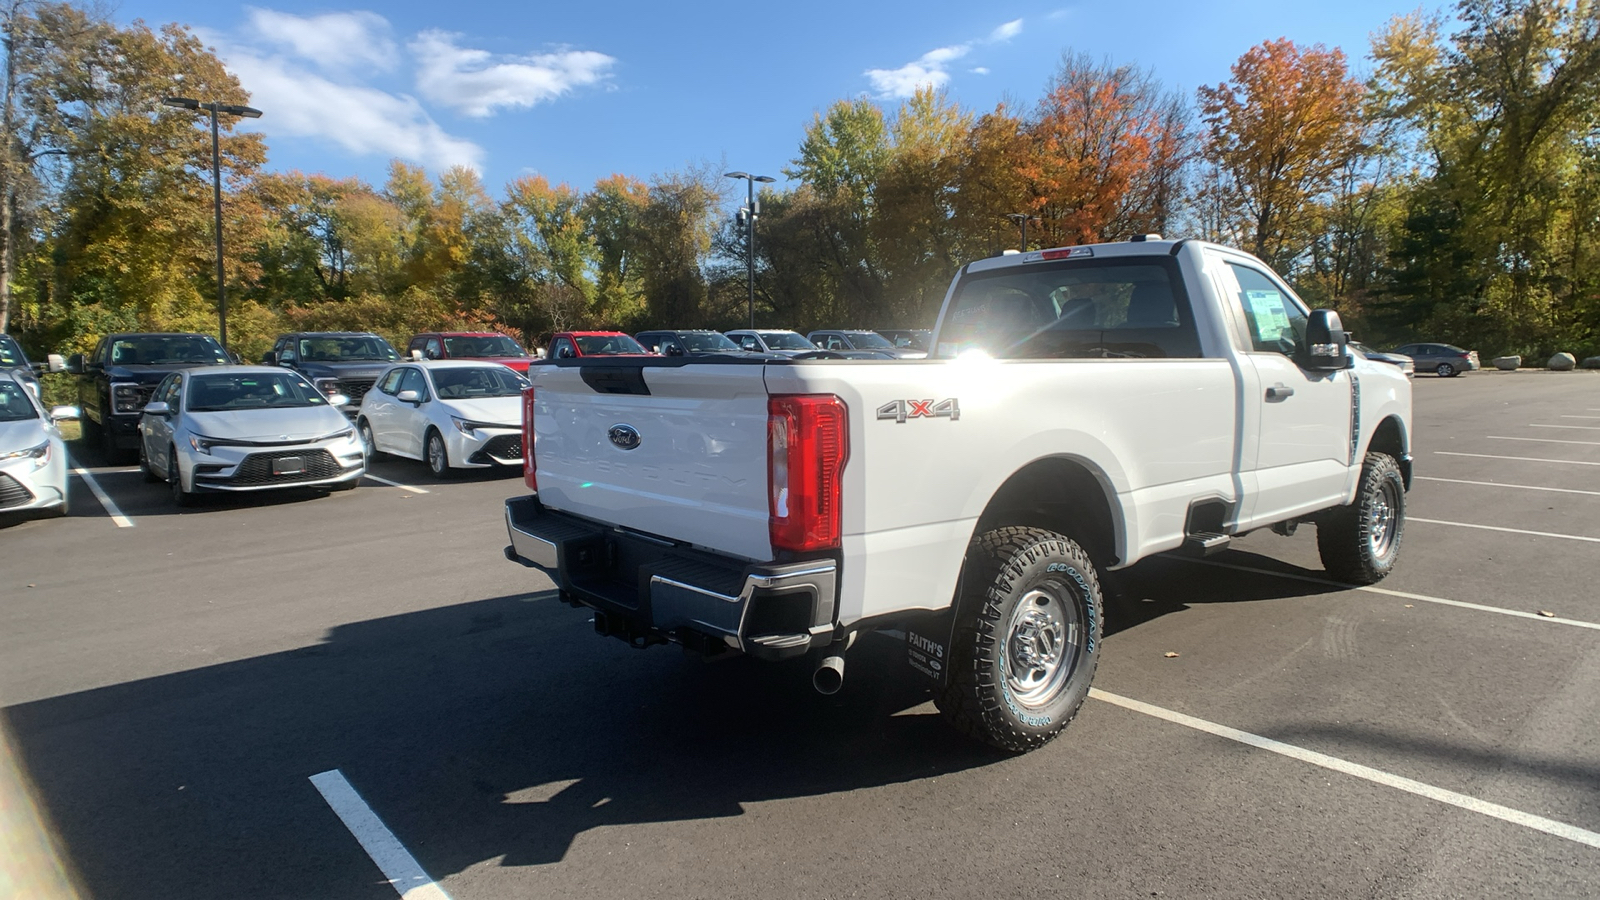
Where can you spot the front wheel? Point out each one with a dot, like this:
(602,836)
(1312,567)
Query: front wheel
(368,443)
(1446,370)
(438,457)
(1026,640)
(180,497)
(1360,543)
(150,476)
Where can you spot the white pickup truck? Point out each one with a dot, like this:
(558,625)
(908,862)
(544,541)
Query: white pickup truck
(1084,408)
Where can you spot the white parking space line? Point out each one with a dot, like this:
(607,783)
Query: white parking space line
(1565,462)
(1580,427)
(1496,437)
(99,494)
(1404,595)
(403,487)
(1525,487)
(398,865)
(1549,534)
(1367,773)
(1580,417)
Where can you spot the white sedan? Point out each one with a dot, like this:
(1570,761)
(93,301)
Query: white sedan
(33,459)
(451,414)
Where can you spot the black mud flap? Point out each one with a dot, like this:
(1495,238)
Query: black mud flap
(928,637)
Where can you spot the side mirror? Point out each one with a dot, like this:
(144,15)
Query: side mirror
(75,364)
(286,358)
(64,413)
(1327,343)
(269,358)
(54,362)
(409,397)
(674,350)
(339,399)
(232,355)
(157,408)
(416,355)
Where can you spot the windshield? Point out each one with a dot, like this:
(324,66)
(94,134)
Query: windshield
(706,342)
(346,349)
(254,390)
(159,350)
(1123,308)
(10,353)
(868,340)
(786,340)
(14,403)
(482,346)
(606,345)
(472,383)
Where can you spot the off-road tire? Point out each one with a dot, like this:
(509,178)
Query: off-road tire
(1004,568)
(1360,543)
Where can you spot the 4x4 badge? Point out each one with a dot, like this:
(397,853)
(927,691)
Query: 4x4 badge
(901,410)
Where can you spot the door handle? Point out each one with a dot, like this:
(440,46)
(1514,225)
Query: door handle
(1279,392)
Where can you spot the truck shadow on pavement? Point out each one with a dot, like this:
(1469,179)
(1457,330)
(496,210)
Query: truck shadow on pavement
(496,728)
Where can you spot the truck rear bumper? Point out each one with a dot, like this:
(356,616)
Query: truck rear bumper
(648,590)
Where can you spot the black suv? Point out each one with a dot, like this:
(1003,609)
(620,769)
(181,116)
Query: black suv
(337,362)
(117,379)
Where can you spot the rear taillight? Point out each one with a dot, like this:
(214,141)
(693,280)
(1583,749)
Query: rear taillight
(808,442)
(527,440)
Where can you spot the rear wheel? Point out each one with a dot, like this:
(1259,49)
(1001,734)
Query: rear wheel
(438,457)
(1360,543)
(1446,370)
(180,497)
(1027,638)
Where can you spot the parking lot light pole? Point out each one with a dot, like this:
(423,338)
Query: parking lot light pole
(214,109)
(748,214)
(1022,219)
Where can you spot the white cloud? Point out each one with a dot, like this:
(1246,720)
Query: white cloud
(359,119)
(315,76)
(474,83)
(931,68)
(1007,31)
(332,41)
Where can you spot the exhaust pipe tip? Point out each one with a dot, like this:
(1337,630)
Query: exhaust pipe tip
(829,676)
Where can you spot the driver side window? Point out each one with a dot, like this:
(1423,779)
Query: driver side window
(1274,321)
(391,382)
(413,381)
(563,349)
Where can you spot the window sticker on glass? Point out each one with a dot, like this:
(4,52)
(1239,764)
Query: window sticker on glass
(1269,315)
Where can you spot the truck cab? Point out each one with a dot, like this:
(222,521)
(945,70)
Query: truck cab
(337,362)
(116,380)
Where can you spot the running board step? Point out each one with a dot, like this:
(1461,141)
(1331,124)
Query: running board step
(1205,543)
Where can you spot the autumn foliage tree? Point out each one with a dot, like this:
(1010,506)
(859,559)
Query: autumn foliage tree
(1279,132)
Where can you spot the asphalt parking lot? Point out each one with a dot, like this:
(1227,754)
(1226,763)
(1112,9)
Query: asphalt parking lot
(172,682)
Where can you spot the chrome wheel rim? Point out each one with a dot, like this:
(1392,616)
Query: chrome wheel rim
(1043,642)
(436,455)
(1445,369)
(1383,519)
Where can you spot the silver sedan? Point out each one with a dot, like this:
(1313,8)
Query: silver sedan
(33,460)
(246,428)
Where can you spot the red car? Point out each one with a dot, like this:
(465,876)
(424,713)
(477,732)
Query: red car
(487,345)
(573,344)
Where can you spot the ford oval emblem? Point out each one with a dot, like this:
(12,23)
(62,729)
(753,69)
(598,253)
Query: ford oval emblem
(624,436)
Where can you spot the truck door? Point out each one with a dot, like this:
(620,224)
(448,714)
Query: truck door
(1304,418)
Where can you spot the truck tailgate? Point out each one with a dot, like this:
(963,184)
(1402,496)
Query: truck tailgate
(698,469)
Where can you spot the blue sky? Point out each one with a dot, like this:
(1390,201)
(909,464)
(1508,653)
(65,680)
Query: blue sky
(577,91)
